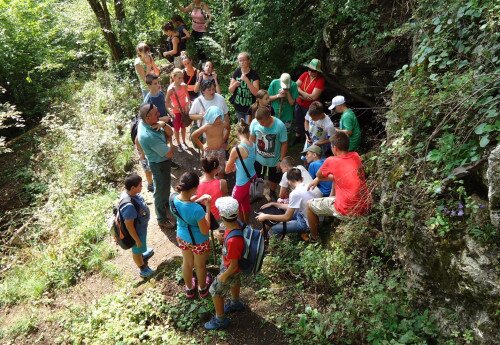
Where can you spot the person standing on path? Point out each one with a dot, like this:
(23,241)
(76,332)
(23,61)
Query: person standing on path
(144,64)
(178,103)
(310,86)
(152,136)
(244,85)
(190,75)
(348,122)
(208,73)
(177,45)
(282,93)
(200,16)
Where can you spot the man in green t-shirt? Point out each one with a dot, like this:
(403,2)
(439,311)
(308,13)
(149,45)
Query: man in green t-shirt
(282,93)
(348,122)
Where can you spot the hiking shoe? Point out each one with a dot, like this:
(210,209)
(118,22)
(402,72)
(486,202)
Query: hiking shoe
(148,254)
(204,292)
(151,187)
(146,272)
(216,323)
(179,148)
(313,240)
(232,306)
(184,146)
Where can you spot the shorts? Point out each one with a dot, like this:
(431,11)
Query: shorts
(178,124)
(219,288)
(142,249)
(145,164)
(220,154)
(242,194)
(197,249)
(272,173)
(325,207)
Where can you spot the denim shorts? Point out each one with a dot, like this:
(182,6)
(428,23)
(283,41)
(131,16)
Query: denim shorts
(142,249)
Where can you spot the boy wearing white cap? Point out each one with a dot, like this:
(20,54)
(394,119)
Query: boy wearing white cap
(348,122)
(282,93)
(229,278)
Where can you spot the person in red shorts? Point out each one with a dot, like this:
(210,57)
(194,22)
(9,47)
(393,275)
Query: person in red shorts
(210,184)
(350,197)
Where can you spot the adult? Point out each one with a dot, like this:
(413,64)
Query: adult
(348,122)
(282,93)
(177,45)
(207,99)
(244,86)
(179,24)
(269,133)
(351,197)
(193,225)
(313,156)
(144,64)
(200,17)
(190,75)
(310,86)
(208,73)
(152,136)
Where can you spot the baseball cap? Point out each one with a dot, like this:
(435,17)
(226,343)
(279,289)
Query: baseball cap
(314,149)
(285,80)
(227,206)
(337,100)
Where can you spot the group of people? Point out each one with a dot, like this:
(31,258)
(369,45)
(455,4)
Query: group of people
(326,180)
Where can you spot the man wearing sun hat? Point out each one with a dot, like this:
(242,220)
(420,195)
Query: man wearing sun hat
(348,122)
(310,86)
(282,93)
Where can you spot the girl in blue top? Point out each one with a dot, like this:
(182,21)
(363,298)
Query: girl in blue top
(248,150)
(193,225)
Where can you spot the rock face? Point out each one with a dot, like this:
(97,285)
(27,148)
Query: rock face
(493,174)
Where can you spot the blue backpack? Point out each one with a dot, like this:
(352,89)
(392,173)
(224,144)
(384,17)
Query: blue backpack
(253,253)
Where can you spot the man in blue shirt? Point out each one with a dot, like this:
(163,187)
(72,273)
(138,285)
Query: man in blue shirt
(154,137)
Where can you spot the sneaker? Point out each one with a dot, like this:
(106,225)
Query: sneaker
(204,292)
(313,240)
(146,272)
(151,187)
(190,293)
(179,148)
(148,254)
(216,323)
(232,306)
(184,146)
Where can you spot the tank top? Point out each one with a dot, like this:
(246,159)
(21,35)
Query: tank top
(191,82)
(180,46)
(241,176)
(183,98)
(211,188)
(142,82)
(198,19)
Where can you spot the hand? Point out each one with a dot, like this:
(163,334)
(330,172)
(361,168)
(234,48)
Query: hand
(142,156)
(158,125)
(261,217)
(205,198)
(138,243)
(214,75)
(221,279)
(281,94)
(237,83)
(313,184)
(309,141)
(170,153)
(269,204)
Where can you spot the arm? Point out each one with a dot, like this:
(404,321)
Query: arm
(199,78)
(129,223)
(223,187)
(175,45)
(284,149)
(217,86)
(311,96)
(230,164)
(139,148)
(186,9)
(140,71)
(168,101)
(253,87)
(289,97)
(204,223)
(186,33)
(346,131)
(277,217)
(227,127)
(154,67)
(283,192)
(233,85)
(195,137)
(233,266)
(253,138)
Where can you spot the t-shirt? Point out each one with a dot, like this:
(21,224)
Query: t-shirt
(244,98)
(324,186)
(201,104)
(287,110)
(213,188)
(153,143)
(299,197)
(321,129)
(192,214)
(129,212)
(269,141)
(352,197)
(158,100)
(308,86)
(348,121)
(235,247)
(306,179)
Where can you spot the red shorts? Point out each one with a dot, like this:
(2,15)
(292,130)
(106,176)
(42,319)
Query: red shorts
(178,122)
(242,194)
(197,249)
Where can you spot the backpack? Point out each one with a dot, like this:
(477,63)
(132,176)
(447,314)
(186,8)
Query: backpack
(119,229)
(134,124)
(253,253)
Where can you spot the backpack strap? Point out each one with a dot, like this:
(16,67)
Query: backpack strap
(242,163)
(176,212)
(233,233)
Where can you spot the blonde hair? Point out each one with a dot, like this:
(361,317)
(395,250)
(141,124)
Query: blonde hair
(174,73)
(142,48)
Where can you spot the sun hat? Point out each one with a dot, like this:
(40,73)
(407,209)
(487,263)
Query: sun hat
(227,206)
(285,80)
(314,149)
(337,100)
(315,64)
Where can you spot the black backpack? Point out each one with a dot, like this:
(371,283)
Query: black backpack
(134,124)
(118,229)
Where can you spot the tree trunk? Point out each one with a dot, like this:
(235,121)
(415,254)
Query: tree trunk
(126,44)
(102,14)
(119,11)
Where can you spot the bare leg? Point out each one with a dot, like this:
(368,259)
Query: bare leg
(313,220)
(149,177)
(219,306)
(183,134)
(235,292)
(138,259)
(200,264)
(176,133)
(187,268)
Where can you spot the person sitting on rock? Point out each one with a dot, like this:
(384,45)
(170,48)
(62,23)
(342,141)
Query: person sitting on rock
(351,196)
(348,122)
(313,158)
(286,164)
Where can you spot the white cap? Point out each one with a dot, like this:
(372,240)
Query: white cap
(227,206)
(337,100)
(285,81)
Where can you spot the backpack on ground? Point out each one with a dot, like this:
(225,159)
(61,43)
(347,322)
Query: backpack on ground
(119,229)
(253,253)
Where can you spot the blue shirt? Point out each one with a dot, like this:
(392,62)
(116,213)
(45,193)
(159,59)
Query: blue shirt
(269,141)
(241,175)
(158,100)
(324,186)
(129,212)
(153,143)
(192,213)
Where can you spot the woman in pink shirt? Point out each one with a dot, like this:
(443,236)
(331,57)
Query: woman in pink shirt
(200,16)
(177,102)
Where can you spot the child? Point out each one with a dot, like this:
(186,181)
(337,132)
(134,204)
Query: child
(178,22)
(319,128)
(286,164)
(230,275)
(214,130)
(156,96)
(178,102)
(248,151)
(177,44)
(144,64)
(210,184)
(208,73)
(261,100)
(313,158)
(136,217)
